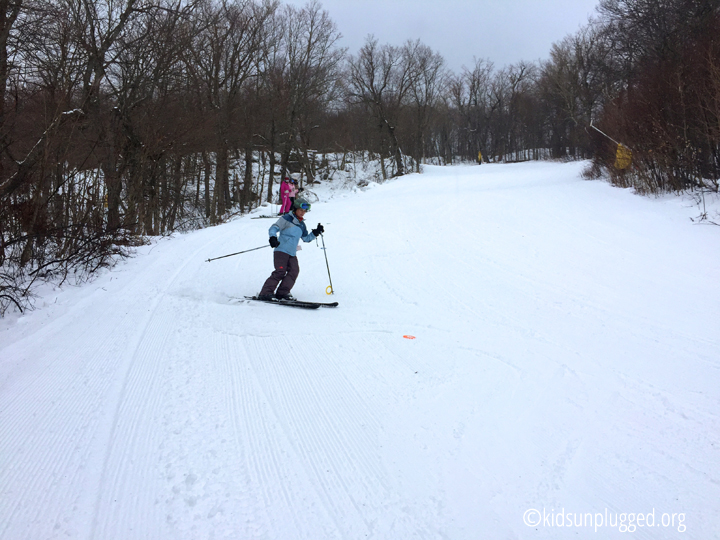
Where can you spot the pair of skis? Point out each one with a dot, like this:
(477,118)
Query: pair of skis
(295,303)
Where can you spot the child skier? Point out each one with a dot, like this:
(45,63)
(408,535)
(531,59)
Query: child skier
(285,190)
(293,191)
(291,228)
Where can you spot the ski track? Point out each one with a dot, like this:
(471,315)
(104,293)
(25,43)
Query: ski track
(148,390)
(327,428)
(68,399)
(265,470)
(133,433)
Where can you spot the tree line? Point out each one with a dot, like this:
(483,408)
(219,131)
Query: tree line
(126,118)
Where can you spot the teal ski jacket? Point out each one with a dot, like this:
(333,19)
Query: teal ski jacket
(291,230)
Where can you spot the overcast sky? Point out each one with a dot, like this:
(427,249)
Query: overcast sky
(504,31)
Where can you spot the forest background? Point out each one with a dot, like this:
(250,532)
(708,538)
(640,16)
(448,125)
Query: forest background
(122,119)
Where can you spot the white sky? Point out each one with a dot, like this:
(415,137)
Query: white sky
(504,31)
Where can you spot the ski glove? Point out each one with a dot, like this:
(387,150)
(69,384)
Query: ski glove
(274,242)
(320,229)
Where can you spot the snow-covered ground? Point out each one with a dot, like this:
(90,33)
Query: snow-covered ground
(566,361)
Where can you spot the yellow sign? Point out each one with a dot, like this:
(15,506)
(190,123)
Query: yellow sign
(623,157)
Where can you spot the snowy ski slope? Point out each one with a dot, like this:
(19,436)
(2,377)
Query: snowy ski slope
(566,360)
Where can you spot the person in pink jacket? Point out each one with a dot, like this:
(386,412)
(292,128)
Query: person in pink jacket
(293,191)
(285,189)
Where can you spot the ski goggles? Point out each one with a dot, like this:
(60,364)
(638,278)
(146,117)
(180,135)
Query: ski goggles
(303,206)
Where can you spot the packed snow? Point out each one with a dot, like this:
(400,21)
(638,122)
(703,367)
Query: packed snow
(517,353)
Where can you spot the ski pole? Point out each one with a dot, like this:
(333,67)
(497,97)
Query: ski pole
(238,253)
(328,267)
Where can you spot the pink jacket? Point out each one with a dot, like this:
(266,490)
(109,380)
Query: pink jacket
(285,196)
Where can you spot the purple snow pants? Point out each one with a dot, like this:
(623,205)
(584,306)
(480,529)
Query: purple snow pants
(286,272)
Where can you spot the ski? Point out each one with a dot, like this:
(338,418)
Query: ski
(326,304)
(289,303)
(319,304)
(296,303)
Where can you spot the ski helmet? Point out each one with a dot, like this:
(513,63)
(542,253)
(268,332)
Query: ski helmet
(301,204)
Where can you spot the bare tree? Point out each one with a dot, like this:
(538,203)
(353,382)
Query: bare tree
(154,118)
(9,12)
(312,68)
(379,78)
(660,58)
(427,84)
(470,96)
(220,62)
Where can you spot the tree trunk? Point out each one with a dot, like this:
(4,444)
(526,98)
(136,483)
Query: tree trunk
(395,148)
(177,192)
(206,161)
(113,184)
(221,180)
(9,12)
(248,180)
